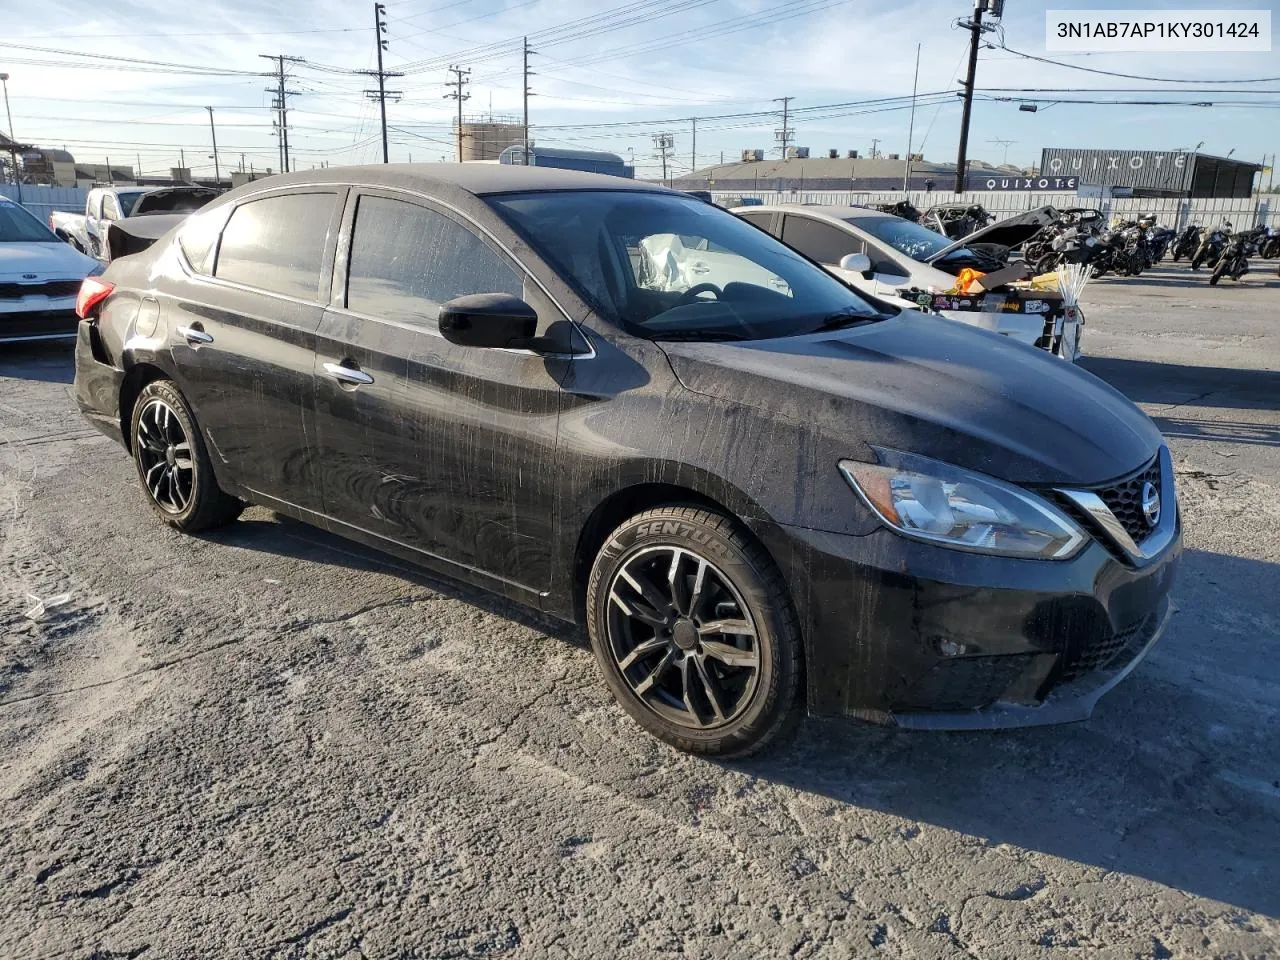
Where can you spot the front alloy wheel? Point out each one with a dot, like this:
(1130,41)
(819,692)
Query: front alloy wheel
(694,630)
(682,637)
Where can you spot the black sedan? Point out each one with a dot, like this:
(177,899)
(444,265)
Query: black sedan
(759,490)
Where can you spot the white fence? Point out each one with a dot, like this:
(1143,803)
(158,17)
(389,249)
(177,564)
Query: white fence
(1173,212)
(42,201)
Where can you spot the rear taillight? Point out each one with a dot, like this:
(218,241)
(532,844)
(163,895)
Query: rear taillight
(51,226)
(92,292)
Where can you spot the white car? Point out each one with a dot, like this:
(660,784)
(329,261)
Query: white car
(883,254)
(39,278)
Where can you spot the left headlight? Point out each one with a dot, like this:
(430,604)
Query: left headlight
(933,501)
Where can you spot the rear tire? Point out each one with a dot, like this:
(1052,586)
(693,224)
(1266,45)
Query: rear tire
(173,463)
(695,633)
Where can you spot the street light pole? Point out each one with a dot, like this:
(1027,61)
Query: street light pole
(13,145)
(217,174)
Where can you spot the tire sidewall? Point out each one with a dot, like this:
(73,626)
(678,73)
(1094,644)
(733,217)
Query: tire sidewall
(662,529)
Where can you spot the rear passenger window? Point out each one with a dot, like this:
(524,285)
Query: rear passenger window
(199,239)
(277,243)
(817,240)
(407,260)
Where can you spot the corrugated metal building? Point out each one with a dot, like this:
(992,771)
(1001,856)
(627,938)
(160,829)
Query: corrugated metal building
(1153,173)
(836,173)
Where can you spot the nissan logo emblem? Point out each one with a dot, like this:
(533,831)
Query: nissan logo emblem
(30,276)
(1151,503)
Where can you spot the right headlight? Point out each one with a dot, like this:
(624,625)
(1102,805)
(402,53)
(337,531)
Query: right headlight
(933,501)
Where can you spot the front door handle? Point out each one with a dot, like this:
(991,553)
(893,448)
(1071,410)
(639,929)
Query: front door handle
(347,374)
(192,335)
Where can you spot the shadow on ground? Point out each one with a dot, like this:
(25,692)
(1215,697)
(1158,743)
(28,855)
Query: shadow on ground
(1149,381)
(1162,783)
(51,362)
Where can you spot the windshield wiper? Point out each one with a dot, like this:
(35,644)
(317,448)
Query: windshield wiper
(709,335)
(843,319)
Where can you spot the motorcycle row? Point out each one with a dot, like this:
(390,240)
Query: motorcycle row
(1126,248)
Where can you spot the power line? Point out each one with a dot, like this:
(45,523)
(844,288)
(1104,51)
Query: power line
(1126,76)
(212,71)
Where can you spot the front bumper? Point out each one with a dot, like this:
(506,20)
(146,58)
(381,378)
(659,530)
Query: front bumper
(38,318)
(914,635)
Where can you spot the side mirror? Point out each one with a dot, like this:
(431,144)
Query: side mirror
(856,263)
(495,320)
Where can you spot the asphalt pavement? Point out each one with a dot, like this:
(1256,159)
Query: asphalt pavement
(267,742)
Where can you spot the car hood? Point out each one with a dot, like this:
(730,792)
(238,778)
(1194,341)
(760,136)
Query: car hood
(48,261)
(936,388)
(1007,233)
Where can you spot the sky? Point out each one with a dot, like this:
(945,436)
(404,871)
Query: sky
(608,74)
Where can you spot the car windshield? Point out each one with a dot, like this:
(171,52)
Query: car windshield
(670,267)
(917,242)
(128,199)
(19,226)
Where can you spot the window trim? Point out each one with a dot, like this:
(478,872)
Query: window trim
(342,258)
(339,192)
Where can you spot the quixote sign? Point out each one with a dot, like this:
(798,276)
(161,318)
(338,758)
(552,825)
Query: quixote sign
(1168,170)
(1023,183)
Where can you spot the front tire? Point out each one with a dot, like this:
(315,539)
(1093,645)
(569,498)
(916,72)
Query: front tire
(173,463)
(695,633)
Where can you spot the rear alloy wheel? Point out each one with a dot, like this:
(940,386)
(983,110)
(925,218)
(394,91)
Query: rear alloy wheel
(173,464)
(692,626)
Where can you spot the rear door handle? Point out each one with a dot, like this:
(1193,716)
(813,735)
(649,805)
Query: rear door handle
(347,374)
(192,335)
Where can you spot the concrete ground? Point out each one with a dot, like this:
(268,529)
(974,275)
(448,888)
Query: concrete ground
(269,743)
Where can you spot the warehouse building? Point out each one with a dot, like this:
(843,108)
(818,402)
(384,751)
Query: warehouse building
(847,171)
(1152,173)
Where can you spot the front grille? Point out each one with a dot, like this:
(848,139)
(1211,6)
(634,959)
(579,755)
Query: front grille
(1105,649)
(1125,501)
(54,288)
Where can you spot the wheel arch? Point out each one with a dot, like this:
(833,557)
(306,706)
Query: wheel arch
(136,377)
(615,506)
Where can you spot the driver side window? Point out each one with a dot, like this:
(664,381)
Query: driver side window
(110,211)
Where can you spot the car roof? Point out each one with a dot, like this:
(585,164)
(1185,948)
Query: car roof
(478,179)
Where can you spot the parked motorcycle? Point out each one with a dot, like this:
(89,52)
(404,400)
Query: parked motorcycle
(1270,248)
(1211,246)
(1233,262)
(1159,239)
(1188,242)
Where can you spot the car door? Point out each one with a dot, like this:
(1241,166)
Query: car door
(441,448)
(242,322)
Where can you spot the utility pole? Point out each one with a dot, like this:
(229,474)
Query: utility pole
(784,135)
(874,153)
(458,82)
(217,171)
(1006,144)
(382,93)
(527,94)
(693,150)
(111,177)
(664,143)
(281,104)
(911,127)
(975,27)
(13,145)
(137,174)
(182,159)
